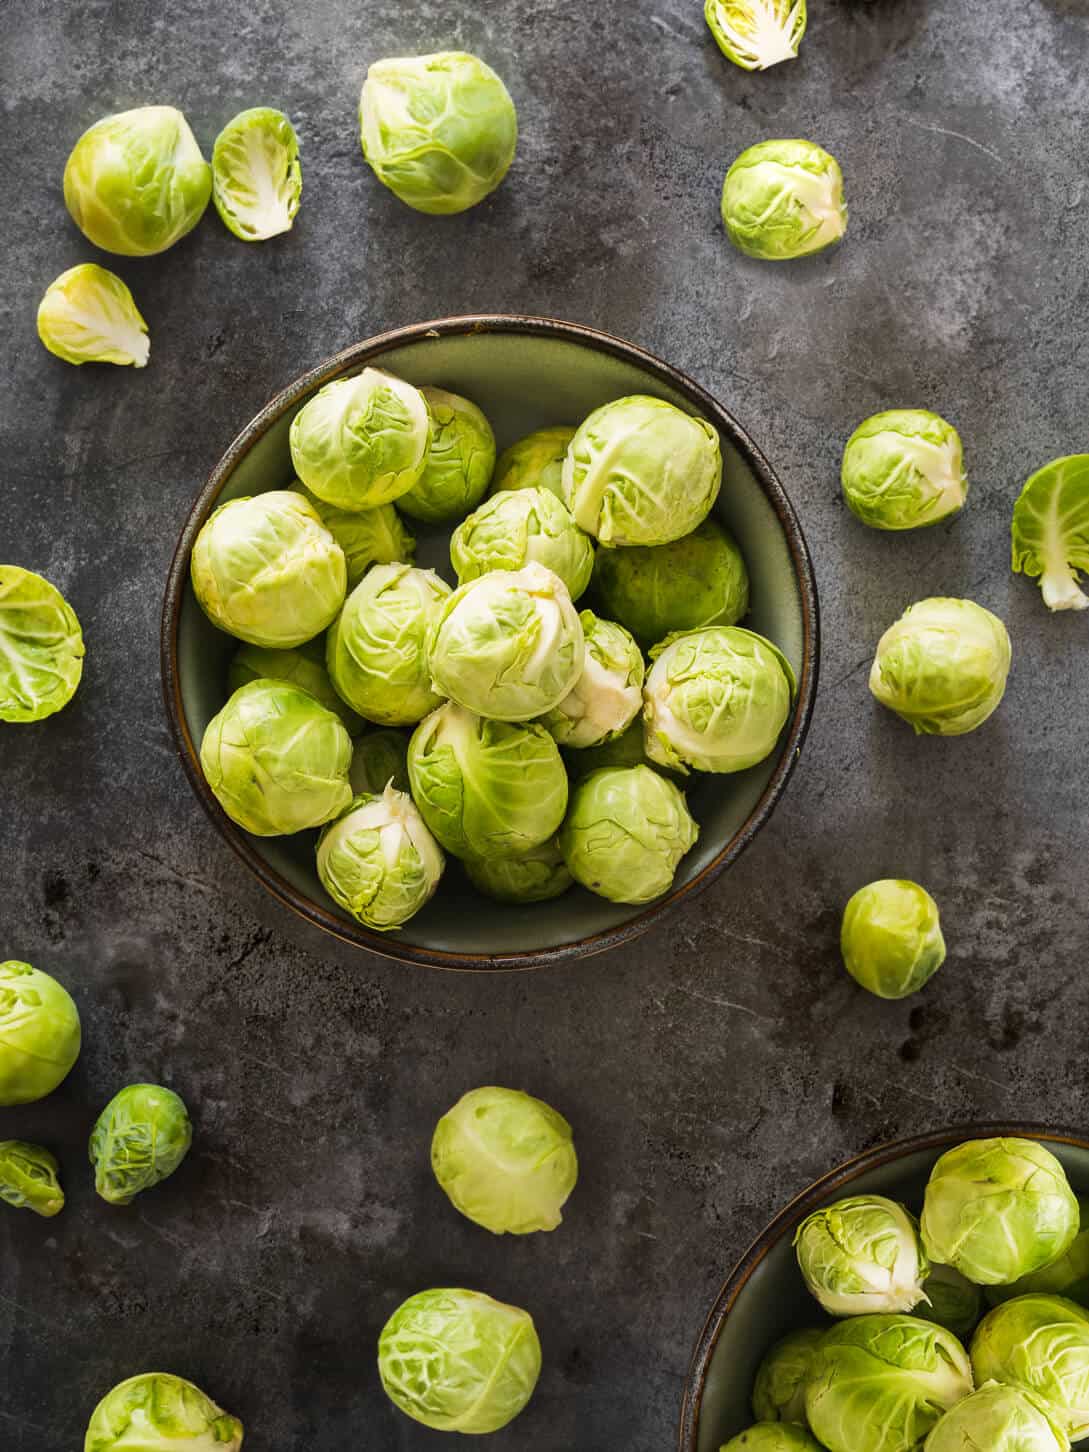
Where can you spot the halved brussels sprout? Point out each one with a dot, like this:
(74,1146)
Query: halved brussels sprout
(256,176)
(459,464)
(28,1178)
(772,1437)
(1067,1276)
(378,861)
(778,1393)
(607,696)
(756,34)
(1040,1344)
(950,1300)
(535,462)
(1050,531)
(379,759)
(303,667)
(860,1255)
(891,938)
(39,1033)
(367,536)
(517,527)
(140,1138)
(88,315)
(904,469)
(41,647)
(998,1419)
(537,875)
(784,199)
(627,830)
(157,1412)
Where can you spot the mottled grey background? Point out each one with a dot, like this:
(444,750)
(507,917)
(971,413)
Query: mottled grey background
(714,1067)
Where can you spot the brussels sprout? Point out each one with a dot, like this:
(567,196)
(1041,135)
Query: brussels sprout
(627,749)
(378,861)
(268,571)
(641,472)
(1067,1276)
(862,1254)
(88,315)
(534,876)
(1050,531)
(520,526)
(778,1393)
(380,759)
(367,536)
(880,1383)
(303,667)
(41,647)
(997,1209)
(756,34)
(784,199)
(891,938)
(950,1300)
(943,666)
(508,645)
(136,182)
(276,760)
(486,788)
(157,1412)
(39,1033)
(256,176)
(505,1160)
(535,462)
(1040,1344)
(28,1178)
(627,830)
(460,462)
(140,1138)
(904,469)
(607,695)
(362,441)
(998,1419)
(439,130)
(772,1437)
(375,649)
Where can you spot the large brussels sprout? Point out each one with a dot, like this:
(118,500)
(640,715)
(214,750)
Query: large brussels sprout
(1067,1276)
(378,861)
(943,666)
(1040,1344)
(39,1033)
(88,315)
(157,1412)
(506,1160)
(265,569)
(379,759)
(486,788)
(367,536)
(627,830)
(998,1419)
(508,645)
(784,199)
(997,1209)
(607,696)
(903,469)
(256,176)
(1050,531)
(756,34)
(535,462)
(459,464)
(640,471)
(951,1300)
(439,130)
(860,1255)
(537,875)
(41,647)
(362,441)
(277,760)
(516,527)
(29,1178)
(891,938)
(136,182)
(772,1437)
(140,1138)
(303,667)
(458,1361)
(778,1393)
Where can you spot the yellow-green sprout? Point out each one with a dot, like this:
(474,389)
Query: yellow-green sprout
(459,463)
(625,833)
(784,199)
(904,469)
(29,1178)
(88,315)
(256,176)
(1041,1345)
(303,667)
(950,1300)
(891,937)
(772,1437)
(378,861)
(39,1033)
(367,536)
(999,1419)
(1050,531)
(139,1139)
(756,34)
(518,526)
(862,1254)
(537,875)
(778,1393)
(379,759)
(1067,1276)
(41,647)
(157,1412)
(534,462)
(607,696)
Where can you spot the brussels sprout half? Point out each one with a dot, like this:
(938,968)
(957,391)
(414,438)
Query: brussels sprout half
(778,1393)
(904,469)
(28,1178)
(756,34)
(41,647)
(534,462)
(862,1254)
(891,938)
(784,199)
(459,463)
(39,1033)
(536,875)
(157,1412)
(303,667)
(998,1419)
(367,536)
(517,527)
(1041,1345)
(625,833)
(378,861)
(608,694)
(140,1138)
(256,176)
(88,315)
(1050,531)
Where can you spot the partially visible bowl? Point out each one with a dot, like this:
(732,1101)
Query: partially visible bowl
(524,373)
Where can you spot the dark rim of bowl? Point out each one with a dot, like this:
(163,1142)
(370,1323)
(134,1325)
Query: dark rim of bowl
(795,1212)
(357,356)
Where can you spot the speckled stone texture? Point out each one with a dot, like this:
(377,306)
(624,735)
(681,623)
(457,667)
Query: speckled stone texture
(717,1065)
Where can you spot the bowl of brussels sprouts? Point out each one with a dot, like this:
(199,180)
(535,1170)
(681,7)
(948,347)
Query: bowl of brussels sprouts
(489,641)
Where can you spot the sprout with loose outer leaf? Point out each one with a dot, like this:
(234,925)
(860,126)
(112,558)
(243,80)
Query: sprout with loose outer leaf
(1040,1344)
(367,536)
(756,34)
(950,1300)
(607,696)
(41,647)
(379,759)
(256,176)
(157,1412)
(627,830)
(28,1178)
(891,938)
(535,462)
(772,1437)
(304,666)
(459,464)
(1050,531)
(784,199)
(140,1138)
(860,1255)
(39,1033)
(378,861)
(778,1393)
(904,469)
(999,1419)
(88,315)
(1067,1276)
(520,526)
(537,875)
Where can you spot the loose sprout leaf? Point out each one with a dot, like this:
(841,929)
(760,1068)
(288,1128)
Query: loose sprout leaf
(41,647)
(256,175)
(88,315)
(756,34)
(1051,531)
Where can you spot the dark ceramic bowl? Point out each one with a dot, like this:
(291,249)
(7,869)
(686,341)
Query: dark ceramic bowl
(524,373)
(764,1297)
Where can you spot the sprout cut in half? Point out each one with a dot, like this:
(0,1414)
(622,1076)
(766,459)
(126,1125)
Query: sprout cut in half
(1051,531)
(756,34)
(256,176)
(88,315)
(41,647)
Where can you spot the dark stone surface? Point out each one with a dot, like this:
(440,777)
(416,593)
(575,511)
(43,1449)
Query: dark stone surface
(717,1065)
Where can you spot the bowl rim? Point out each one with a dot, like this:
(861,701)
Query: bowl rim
(811,1198)
(359,355)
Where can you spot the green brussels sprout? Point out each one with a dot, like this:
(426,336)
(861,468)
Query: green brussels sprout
(88,315)
(942,667)
(627,830)
(276,760)
(140,1138)
(1040,1344)
(28,1178)
(534,876)
(506,1160)
(904,469)
(378,861)
(772,1437)
(256,176)
(997,1209)
(998,1419)
(157,1412)
(1067,1276)
(439,130)
(520,526)
(784,199)
(716,699)
(535,462)
(303,667)
(367,536)
(891,938)
(375,650)
(458,1361)
(640,471)
(778,1393)
(508,645)
(460,462)
(265,569)
(860,1255)
(756,34)
(41,647)
(1050,531)
(362,441)
(628,749)
(136,182)
(379,760)
(486,788)
(607,696)
(39,1033)
(950,1300)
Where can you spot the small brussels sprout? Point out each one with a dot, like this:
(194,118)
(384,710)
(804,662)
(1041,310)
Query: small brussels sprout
(362,441)
(784,199)
(158,1412)
(772,1437)
(1050,531)
(379,760)
(778,1393)
(756,34)
(459,464)
(39,1033)
(640,471)
(140,1138)
(439,130)
(303,667)
(136,182)
(891,938)
(41,647)
(860,1255)
(508,645)
(28,1178)
(998,1209)
(998,1419)
(627,830)
(950,1300)
(534,876)
(375,650)
(535,462)
(276,760)
(520,526)
(367,536)
(506,1160)
(1040,1344)
(607,695)
(486,788)
(256,176)
(378,861)
(942,667)
(904,469)
(265,569)
(1067,1276)
(88,315)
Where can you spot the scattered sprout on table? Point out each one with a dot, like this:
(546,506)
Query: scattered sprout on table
(256,176)
(784,199)
(378,861)
(951,1300)
(860,1255)
(1067,1276)
(1050,531)
(534,462)
(88,315)
(998,1419)
(29,1178)
(608,694)
(379,758)
(625,833)
(891,938)
(1040,1344)
(778,1393)
(518,527)
(140,1138)
(537,875)
(39,1033)
(157,1412)
(772,1437)
(904,469)
(367,536)
(459,464)
(303,666)
(756,34)
(41,647)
